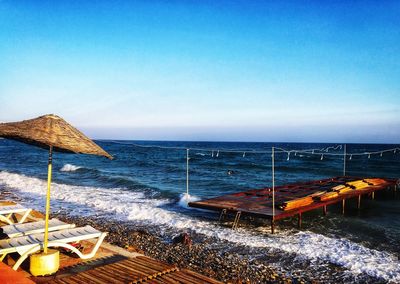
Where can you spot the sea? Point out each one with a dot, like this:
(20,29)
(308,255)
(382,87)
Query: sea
(146,183)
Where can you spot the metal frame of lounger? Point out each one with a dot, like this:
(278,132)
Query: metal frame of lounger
(36,227)
(30,244)
(7,211)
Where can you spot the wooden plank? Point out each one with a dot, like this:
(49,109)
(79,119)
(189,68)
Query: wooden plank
(82,278)
(168,279)
(162,264)
(135,272)
(153,266)
(158,267)
(157,280)
(183,277)
(70,280)
(119,273)
(58,280)
(200,276)
(104,275)
(150,272)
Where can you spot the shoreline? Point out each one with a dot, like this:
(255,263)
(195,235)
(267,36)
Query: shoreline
(223,266)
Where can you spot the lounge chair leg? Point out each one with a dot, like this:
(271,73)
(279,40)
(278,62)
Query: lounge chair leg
(25,255)
(96,247)
(25,216)
(75,250)
(5,220)
(3,256)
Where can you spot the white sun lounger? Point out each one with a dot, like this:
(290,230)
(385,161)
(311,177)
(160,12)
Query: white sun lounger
(30,244)
(7,211)
(18,230)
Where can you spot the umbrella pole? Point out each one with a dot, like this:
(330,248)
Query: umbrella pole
(46,229)
(48,262)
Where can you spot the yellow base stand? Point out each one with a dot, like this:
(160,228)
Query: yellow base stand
(45,264)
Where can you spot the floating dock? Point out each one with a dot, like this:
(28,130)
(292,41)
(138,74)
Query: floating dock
(295,199)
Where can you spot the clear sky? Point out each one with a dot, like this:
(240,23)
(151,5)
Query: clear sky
(323,71)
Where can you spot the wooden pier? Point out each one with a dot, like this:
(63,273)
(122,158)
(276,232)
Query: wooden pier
(307,196)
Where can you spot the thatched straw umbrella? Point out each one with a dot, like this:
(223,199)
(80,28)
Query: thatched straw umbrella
(53,133)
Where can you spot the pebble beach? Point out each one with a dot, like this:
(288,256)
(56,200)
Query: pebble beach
(227,267)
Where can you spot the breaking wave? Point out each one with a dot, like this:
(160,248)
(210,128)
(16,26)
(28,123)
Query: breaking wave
(186,198)
(69,168)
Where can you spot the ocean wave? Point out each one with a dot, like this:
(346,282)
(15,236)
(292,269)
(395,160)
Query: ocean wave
(186,198)
(107,179)
(137,207)
(69,168)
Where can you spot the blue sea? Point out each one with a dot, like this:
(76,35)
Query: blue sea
(146,184)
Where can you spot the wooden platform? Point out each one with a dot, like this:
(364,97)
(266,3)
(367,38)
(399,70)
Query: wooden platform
(119,269)
(258,202)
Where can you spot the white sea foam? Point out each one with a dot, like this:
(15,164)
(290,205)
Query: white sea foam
(135,206)
(69,168)
(186,198)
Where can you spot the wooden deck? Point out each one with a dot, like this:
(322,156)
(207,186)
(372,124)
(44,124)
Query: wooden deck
(258,202)
(119,269)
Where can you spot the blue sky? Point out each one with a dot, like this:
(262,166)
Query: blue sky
(206,70)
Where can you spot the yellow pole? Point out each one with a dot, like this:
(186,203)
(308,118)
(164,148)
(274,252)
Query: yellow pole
(46,229)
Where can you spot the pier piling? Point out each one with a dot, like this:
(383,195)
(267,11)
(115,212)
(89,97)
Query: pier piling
(272,226)
(299,221)
(223,215)
(343,205)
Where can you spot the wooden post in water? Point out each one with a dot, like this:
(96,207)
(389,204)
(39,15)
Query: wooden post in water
(373,195)
(325,210)
(299,221)
(343,205)
(344,160)
(187,175)
(273,190)
(359,202)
